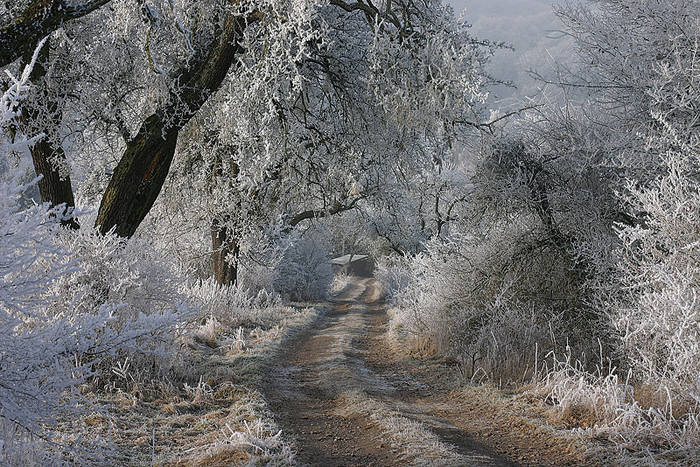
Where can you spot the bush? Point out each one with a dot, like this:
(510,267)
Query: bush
(296,266)
(394,273)
(464,299)
(655,303)
(305,271)
(231,306)
(70,304)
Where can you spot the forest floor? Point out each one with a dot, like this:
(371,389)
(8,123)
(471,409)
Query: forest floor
(344,394)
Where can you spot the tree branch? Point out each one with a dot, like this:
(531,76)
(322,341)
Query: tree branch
(141,172)
(337,208)
(38,20)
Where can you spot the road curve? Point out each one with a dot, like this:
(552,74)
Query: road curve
(338,408)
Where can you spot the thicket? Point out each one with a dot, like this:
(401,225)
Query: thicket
(574,261)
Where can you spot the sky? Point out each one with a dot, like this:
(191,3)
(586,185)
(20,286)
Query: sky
(527,25)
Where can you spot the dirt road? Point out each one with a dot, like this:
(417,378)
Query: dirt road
(341,406)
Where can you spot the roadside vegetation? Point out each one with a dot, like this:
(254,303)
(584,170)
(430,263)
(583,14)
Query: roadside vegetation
(571,269)
(175,177)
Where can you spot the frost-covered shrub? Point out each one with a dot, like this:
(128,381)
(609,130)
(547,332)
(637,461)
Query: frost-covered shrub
(257,267)
(54,337)
(508,283)
(654,299)
(36,350)
(463,298)
(38,375)
(116,270)
(655,303)
(510,280)
(394,274)
(341,281)
(59,325)
(295,266)
(305,271)
(232,306)
(140,281)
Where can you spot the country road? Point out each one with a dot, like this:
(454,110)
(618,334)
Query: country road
(340,405)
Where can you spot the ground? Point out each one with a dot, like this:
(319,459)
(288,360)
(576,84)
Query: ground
(344,393)
(324,384)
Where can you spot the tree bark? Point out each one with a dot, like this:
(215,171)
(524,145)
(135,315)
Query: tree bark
(39,19)
(224,242)
(141,172)
(53,188)
(138,179)
(224,245)
(47,153)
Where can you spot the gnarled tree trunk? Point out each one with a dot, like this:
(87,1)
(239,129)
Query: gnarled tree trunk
(138,179)
(140,174)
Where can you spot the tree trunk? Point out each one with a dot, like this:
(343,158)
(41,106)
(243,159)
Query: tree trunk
(47,153)
(39,19)
(141,172)
(137,179)
(53,188)
(224,242)
(224,245)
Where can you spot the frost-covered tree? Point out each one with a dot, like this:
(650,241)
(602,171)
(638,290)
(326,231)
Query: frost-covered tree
(621,47)
(35,357)
(324,131)
(653,298)
(631,129)
(585,214)
(302,108)
(574,160)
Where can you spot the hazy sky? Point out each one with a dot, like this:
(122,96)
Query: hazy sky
(524,24)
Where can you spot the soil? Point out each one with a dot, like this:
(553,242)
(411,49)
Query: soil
(347,352)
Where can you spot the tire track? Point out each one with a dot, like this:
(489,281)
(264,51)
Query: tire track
(339,410)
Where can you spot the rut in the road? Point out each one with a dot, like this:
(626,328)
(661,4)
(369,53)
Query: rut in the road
(339,411)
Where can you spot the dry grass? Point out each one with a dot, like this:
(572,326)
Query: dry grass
(211,411)
(641,424)
(417,443)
